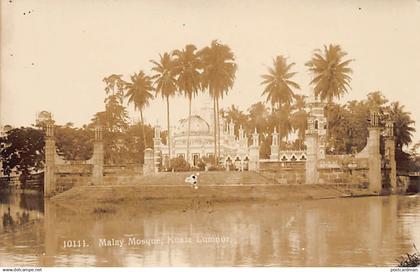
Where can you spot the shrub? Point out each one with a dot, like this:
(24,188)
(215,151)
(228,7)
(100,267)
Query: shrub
(409,260)
(201,164)
(180,164)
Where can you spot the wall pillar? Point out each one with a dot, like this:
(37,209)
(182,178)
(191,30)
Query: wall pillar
(98,157)
(149,162)
(311,167)
(374,174)
(392,163)
(390,155)
(49,172)
(157,142)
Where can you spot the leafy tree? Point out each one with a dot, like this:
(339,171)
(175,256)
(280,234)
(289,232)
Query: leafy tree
(179,164)
(74,143)
(139,93)
(22,150)
(187,68)
(165,84)
(114,85)
(376,101)
(219,69)
(115,116)
(114,119)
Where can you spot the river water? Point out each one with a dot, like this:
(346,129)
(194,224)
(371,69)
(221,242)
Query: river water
(370,231)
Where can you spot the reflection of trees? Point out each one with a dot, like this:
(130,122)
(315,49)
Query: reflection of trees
(4,197)
(31,202)
(9,223)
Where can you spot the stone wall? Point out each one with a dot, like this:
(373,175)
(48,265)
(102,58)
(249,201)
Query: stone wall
(284,172)
(129,169)
(66,182)
(81,169)
(343,169)
(72,174)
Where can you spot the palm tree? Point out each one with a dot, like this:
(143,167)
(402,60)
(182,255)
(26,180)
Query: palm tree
(285,124)
(139,93)
(187,68)
(403,125)
(257,117)
(279,89)
(300,118)
(331,74)
(165,83)
(218,76)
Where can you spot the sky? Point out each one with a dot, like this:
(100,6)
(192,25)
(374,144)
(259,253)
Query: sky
(54,54)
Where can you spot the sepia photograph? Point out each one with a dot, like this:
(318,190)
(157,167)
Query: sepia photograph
(225,133)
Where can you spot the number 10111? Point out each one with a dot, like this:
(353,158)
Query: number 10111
(74,243)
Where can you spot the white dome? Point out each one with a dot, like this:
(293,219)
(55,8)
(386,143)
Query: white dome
(198,126)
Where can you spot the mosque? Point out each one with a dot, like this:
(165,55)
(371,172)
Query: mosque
(237,152)
(234,150)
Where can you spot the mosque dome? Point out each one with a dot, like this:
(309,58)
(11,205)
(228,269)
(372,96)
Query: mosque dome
(199,126)
(44,115)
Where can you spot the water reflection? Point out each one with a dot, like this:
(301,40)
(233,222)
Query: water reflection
(10,223)
(351,232)
(19,208)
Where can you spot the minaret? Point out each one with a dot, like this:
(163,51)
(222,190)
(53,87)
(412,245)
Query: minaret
(315,138)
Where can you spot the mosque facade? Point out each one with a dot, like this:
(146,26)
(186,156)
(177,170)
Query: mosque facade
(238,152)
(234,150)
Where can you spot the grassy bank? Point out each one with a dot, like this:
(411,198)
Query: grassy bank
(213,186)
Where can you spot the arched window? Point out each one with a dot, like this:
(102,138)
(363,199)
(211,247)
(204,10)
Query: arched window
(316,124)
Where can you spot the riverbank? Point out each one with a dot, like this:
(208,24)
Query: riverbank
(213,186)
